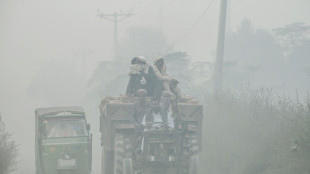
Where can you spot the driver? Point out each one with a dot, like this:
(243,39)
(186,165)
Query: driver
(156,115)
(62,130)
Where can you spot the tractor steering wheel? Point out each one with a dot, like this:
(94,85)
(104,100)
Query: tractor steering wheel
(162,125)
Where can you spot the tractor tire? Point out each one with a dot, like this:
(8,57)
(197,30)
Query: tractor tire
(123,149)
(127,166)
(193,165)
(107,162)
(193,150)
(67,172)
(193,145)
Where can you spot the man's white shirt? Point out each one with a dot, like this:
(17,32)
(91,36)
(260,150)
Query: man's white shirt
(158,118)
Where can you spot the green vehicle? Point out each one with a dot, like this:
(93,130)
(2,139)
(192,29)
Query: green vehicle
(63,144)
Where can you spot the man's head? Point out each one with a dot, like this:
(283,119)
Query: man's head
(141,94)
(159,62)
(165,99)
(135,60)
(142,60)
(154,104)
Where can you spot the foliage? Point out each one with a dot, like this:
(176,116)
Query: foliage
(252,56)
(8,151)
(256,132)
(292,35)
(277,60)
(109,79)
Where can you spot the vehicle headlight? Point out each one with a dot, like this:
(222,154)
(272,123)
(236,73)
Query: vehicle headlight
(66,156)
(152,158)
(52,149)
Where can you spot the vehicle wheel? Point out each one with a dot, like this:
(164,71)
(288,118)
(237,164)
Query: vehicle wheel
(127,166)
(66,172)
(193,146)
(183,169)
(107,162)
(193,150)
(193,165)
(122,150)
(128,147)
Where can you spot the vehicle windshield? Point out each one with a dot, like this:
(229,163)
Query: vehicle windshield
(65,127)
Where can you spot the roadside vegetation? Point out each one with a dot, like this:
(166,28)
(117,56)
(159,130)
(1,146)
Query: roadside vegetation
(8,151)
(256,132)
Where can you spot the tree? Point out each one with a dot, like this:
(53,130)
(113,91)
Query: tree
(295,40)
(292,35)
(109,78)
(252,56)
(8,151)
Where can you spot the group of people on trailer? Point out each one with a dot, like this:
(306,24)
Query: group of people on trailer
(156,92)
(153,78)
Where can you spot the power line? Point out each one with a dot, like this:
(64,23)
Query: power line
(135,4)
(146,7)
(162,8)
(168,4)
(193,26)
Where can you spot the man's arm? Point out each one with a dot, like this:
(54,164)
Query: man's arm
(143,122)
(133,118)
(159,75)
(170,120)
(129,89)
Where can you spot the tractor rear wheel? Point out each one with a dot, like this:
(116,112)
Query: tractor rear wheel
(193,165)
(107,162)
(123,151)
(127,166)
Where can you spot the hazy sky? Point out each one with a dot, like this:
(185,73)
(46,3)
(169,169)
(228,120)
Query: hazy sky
(34,31)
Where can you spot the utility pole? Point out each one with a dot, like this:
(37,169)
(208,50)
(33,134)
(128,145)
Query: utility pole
(228,15)
(115,17)
(161,15)
(220,48)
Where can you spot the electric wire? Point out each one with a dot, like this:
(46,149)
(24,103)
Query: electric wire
(168,4)
(135,4)
(162,8)
(192,27)
(146,7)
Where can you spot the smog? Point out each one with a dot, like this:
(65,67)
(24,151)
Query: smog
(225,83)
